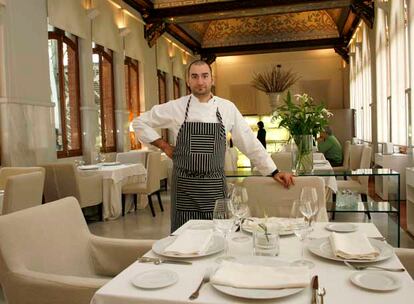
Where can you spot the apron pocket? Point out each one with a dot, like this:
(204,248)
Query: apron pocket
(202,143)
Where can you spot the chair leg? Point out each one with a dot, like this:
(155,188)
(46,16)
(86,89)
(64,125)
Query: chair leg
(151,205)
(135,202)
(100,210)
(364,198)
(159,200)
(333,206)
(123,204)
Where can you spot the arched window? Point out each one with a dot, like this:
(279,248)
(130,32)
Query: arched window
(103,82)
(176,86)
(132,95)
(64,83)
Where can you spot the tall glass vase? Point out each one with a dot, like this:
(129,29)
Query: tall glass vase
(303,156)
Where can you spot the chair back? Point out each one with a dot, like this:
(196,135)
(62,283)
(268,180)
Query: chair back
(11,171)
(365,164)
(347,152)
(355,153)
(153,171)
(268,198)
(283,161)
(23,191)
(50,238)
(230,159)
(132,157)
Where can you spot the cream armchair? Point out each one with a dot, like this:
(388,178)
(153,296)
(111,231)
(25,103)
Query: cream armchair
(11,171)
(406,256)
(23,191)
(48,255)
(269,198)
(62,180)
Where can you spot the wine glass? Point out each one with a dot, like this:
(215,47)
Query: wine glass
(223,222)
(239,208)
(309,194)
(299,215)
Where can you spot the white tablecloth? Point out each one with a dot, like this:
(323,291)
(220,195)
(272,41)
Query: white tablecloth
(330,181)
(334,276)
(114,177)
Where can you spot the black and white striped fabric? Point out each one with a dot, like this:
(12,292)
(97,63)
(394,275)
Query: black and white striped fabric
(198,170)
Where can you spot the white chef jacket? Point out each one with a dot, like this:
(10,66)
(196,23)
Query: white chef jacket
(171,115)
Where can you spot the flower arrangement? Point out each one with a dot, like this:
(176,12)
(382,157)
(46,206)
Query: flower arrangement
(303,117)
(274,80)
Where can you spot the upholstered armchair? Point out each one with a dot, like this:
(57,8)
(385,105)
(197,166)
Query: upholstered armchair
(48,255)
(11,171)
(23,191)
(267,197)
(406,256)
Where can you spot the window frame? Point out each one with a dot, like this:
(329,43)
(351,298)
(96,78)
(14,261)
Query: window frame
(162,78)
(60,37)
(101,51)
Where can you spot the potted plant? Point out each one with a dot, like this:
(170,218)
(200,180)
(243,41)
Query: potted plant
(273,82)
(304,120)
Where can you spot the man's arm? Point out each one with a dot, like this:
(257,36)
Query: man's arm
(164,146)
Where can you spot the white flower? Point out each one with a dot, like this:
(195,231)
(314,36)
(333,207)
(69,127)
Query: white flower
(327,113)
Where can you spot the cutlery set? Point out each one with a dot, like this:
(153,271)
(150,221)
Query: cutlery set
(363,267)
(317,292)
(158,261)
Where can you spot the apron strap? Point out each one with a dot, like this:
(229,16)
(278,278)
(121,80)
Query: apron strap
(186,109)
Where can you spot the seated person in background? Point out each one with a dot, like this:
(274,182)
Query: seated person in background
(329,145)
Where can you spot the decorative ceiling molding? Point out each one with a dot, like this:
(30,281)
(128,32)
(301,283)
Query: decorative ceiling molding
(287,27)
(177,3)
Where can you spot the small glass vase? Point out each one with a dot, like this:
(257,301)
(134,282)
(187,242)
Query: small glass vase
(302,157)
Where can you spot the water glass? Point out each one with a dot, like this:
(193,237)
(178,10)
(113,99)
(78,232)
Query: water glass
(265,243)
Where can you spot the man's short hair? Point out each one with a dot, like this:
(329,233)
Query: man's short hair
(198,62)
(328,131)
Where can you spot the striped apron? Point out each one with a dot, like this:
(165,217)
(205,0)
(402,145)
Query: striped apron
(198,170)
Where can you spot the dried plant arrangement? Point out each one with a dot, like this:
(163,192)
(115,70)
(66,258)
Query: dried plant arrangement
(274,80)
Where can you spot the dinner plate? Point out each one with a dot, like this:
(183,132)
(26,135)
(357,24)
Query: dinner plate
(320,161)
(253,293)
(322,247)
(216,245)
(341,227)
(248,228)
(111,164)
(376,280)
(88,167)
(156,278)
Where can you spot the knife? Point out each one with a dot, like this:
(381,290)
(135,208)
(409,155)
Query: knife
(158,261)
(315,286)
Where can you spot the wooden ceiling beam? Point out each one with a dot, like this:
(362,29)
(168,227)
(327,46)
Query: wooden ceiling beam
(144,7)
(237,8)
(182,36)
(284,46)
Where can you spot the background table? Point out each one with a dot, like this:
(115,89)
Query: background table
(334,276)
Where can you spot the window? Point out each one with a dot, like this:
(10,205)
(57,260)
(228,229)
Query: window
(103,82)
(132,95)
(162,91)
(176,86)
(64,83)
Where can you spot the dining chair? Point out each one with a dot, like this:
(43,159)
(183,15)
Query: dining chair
(23,191)
(5,172)
(269,198)
(283,161)
(150,187)
(132,157)
(63,179)
(49,256)
(358,184)
(406,256)
(346,156)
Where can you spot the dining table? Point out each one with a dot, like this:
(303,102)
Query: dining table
(333,275)
(114,176)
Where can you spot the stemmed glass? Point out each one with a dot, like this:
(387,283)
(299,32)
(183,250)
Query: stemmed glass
(239,208)
(300,215)
(223,222)
(309,194)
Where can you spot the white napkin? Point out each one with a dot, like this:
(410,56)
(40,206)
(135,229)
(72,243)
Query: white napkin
(353,246)
(190,241)
(260,277)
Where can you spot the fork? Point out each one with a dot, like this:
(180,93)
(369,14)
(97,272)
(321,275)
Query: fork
(321,293)
(360,267)
(206,279)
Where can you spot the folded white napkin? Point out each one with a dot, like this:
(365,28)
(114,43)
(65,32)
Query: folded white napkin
(353,246)
(260,277)
(190,241)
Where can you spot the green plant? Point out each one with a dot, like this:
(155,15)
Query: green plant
(274,80)
(303,117)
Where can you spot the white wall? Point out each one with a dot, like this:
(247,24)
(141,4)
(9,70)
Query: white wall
(321,73)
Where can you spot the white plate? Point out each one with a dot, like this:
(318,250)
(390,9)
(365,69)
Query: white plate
(320,161)
(156,278)
(217,244)
(88,167)
(251,293)
(341,227)
(111,164)
(247,228)
(322,247)
(376,280)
